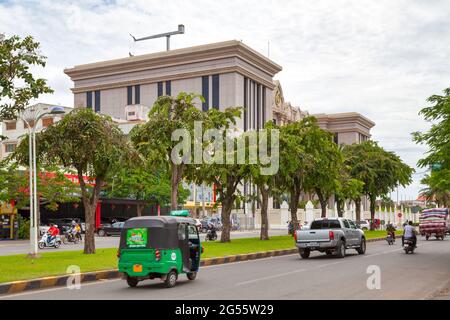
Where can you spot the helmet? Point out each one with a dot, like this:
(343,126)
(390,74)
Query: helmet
(55,225)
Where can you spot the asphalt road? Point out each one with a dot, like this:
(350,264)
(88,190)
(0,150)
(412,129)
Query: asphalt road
(22,247)
(416,276)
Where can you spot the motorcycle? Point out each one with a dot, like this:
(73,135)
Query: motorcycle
(390,238)
(408,246)
(70,237)
(211,235)
(55,242)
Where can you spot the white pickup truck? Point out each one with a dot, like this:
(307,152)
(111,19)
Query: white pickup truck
(332,236)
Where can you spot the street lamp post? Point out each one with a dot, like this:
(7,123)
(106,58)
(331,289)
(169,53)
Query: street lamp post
(35,117)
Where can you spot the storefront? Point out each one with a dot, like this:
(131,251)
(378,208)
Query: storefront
(8,221)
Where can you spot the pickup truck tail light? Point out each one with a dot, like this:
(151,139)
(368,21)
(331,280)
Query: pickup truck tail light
(331,235)
(157,255)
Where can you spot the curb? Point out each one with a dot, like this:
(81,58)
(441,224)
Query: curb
(60,281)
(56,281)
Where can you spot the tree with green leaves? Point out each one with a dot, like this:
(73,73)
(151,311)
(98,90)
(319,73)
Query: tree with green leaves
(154,138)
(220,165)
(300,144)
(93,146)
(53,187)
(17,84)
(145,184)
(380,170)
(437,138)
(265,181)
(437,189)
(350,189)
(322,175)
(226,177)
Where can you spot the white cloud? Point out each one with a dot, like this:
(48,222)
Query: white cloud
(379,58)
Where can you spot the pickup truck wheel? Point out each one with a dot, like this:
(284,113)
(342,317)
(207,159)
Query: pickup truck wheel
(362,248)
(304,253)
(340,252)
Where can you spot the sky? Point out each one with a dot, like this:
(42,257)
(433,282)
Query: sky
(380,58)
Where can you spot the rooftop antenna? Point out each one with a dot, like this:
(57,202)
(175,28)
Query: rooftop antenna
(167,35)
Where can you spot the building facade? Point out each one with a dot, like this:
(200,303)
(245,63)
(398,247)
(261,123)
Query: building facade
(16,129)
(226,74)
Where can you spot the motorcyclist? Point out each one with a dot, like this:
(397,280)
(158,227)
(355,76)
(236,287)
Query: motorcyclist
(390,230)
(78,231)
(409,233)
(211,230)
(290,227)
(53,231)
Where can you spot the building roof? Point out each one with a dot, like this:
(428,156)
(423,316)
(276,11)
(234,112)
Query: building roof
(177,57)
(345,121)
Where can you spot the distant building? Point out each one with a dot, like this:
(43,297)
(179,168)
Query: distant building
(14,130)
(348,127)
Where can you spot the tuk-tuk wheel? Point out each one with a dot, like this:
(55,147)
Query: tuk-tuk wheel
(171,279)
(191,275)
(132,282)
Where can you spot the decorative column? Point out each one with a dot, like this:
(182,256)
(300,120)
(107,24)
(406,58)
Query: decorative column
(309,208)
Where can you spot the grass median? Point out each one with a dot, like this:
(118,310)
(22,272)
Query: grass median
(53,262)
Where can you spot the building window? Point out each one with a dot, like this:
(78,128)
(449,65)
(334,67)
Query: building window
(97,101)
(245,102)
(168,88)
(129,95)
(137,94)
(47,122)
(160,89)
(205,93)
(10,147)
(215,91)
(263,108)
(89,99)
(30,122)
(258,106)
(11,125)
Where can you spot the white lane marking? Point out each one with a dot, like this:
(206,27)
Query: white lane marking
(38,291)
(270,277)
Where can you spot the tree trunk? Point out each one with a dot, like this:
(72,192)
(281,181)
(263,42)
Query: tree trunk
(372,211)
(174,188)
(89,216)
(264,235)
(90,206)
(293,206)
(358,209)
(340,206)
(139,209)
(323,203)
(227,205)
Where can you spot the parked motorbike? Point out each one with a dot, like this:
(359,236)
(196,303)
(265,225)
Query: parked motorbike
(211,235)
(408,246)
(55,242)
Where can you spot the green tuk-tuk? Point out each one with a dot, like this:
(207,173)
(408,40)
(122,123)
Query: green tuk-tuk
(159,247)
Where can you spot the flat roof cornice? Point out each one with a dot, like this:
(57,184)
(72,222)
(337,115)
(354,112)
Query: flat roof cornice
(206,52)
(344,117)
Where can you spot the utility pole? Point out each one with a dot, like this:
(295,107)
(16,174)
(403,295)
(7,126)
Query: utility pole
(160,35)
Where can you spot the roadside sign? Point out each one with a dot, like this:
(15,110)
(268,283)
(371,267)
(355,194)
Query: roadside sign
(399,215)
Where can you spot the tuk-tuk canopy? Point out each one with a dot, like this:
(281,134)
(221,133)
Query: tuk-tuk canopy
(152,232)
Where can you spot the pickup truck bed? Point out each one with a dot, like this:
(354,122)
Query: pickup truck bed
(332,236)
